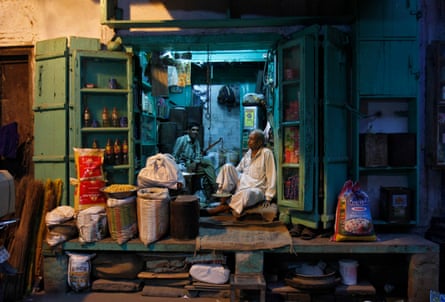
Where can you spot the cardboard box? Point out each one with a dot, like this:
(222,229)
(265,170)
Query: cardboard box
(7,196)
(373,150)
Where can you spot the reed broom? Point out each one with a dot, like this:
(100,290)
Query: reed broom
(52,197)
(23,244)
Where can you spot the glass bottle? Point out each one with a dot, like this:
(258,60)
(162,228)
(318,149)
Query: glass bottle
(95,145)
(86,117)
(117,152)
(109,158)
(105,118)
(114,118)
(125,152)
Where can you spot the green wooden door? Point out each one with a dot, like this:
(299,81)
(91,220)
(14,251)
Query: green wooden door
(51,154)
(309,180)
(54,105)
(335,116)
(296,151)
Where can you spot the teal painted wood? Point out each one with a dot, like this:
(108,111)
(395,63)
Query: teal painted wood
(396,18)
(249,262)
(296,144)
(51,157)
(335,149)
(387,71)
(58,98)
(98,68)
(387,47)
(387,244)
(388,68)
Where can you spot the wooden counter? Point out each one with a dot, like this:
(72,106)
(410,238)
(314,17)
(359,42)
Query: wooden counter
(386,244)
(422,255)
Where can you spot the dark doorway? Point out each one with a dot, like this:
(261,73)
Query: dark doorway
(16,107)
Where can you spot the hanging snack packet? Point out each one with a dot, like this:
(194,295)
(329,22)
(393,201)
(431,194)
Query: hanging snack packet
(353,221)
(89,163)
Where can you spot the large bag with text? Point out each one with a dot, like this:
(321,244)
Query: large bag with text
(160,170)
(353,220)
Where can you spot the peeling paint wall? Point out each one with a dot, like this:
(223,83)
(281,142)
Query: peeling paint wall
(23,22)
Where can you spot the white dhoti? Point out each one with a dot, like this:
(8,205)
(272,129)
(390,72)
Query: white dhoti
(245,198)
(227,179)
(245,194)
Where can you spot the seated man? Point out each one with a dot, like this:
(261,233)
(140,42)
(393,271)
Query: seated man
(251,182)
(187,151)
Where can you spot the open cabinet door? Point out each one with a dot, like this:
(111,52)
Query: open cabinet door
(296,127)
(334,147)
(51,153)
(311,125)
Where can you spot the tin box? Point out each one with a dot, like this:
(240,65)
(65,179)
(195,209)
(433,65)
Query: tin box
(395,204)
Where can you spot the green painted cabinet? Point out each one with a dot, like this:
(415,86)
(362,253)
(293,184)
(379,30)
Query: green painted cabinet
(311,151)
(103,85)
(71,75)
(387,47)
(385,124)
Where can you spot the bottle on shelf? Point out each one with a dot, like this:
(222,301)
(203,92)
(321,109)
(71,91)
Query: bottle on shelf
(105,118)
(109,157)
(95,144)
(125,152)
(86,117)
(117,152)
(114,118)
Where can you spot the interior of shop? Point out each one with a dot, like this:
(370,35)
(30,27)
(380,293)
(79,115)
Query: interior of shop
(331,111)
(219,86)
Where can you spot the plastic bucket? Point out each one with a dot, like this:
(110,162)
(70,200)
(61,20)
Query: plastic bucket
(348,271)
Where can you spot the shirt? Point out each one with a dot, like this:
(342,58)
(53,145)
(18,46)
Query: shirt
(186,151)
(258,172)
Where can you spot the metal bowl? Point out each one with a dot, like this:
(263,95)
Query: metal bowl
(119,194)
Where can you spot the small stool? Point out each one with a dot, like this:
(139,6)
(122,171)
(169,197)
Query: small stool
(252,281)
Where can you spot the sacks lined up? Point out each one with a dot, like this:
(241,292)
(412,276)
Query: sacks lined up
(122,218)
(153,213)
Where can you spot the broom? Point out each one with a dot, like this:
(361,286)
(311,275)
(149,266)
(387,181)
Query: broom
(22,245)
(52,196)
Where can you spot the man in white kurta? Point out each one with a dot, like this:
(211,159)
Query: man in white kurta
(254,178)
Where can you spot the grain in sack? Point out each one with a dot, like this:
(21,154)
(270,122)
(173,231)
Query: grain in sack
(79,269)
(92,224)
(122,218)
(353,220)
(153,213)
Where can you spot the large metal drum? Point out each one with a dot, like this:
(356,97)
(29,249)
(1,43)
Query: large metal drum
(184,217)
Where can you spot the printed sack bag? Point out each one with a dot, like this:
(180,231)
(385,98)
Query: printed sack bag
(353,221)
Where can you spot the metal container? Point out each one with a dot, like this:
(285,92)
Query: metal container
(395,204)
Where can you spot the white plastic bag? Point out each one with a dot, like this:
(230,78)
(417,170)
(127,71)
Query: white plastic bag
(160,170)
(59,215)
(210,273)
